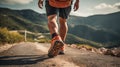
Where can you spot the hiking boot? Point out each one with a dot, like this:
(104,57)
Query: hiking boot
(56,45)
(62,50)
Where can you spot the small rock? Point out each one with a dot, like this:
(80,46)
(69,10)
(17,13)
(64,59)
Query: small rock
(103,50)
(108,52)
(74,46)
(93,50)
(79,47)
(68,45)
(83,49)
(116,52)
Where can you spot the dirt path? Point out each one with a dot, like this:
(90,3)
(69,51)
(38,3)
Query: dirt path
(35,55)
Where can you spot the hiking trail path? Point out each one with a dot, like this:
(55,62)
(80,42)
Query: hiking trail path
(28,54)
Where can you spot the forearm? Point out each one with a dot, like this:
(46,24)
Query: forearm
(76,5)
(77,0)
(40,0)
(40,3)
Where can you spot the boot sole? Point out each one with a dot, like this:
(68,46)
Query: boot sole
(55,49)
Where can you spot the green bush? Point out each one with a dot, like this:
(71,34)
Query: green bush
(9,37)
(44,40)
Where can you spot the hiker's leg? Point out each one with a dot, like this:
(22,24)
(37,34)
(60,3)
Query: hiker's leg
(52,24)
(52,17)
(63,28)
(64,14)
(56,42)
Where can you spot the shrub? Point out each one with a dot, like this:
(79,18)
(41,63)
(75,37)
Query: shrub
(9,37)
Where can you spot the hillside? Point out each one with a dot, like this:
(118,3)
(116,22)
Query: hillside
(97,28)
(109,22)
(93,34)
(22,19)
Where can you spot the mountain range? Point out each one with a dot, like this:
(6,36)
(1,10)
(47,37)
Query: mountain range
(23,19)
(103,29)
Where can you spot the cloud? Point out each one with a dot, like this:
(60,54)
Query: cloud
(107,6)
(117,5)
(81,13)
(103,6)
(9,2)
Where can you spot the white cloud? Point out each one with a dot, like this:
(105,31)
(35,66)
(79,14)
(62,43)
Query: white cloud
(107,6)
(103,6)
(15,1)
(80,13)
(117,5)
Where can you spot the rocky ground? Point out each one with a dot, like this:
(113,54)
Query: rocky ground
(35,55)
(105,51)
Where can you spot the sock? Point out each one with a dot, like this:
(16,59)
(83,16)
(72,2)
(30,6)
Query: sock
(54,34)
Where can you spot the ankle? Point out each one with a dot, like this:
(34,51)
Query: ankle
(54,34)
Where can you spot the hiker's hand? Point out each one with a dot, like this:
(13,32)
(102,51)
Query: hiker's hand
(40,4)
(76,5)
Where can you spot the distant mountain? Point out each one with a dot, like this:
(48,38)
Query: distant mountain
(94,34)
(109,22)
(97,28)
(23,19)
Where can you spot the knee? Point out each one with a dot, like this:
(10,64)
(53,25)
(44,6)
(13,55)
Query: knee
(62,21)
(51,19)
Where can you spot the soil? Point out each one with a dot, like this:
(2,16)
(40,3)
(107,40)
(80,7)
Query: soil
(27,54)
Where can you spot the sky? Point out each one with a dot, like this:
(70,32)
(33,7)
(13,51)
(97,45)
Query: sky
(86,7)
